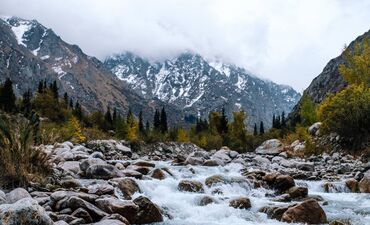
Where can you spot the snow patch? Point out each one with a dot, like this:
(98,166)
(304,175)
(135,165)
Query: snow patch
(20,30)
(44,57)
(59,71)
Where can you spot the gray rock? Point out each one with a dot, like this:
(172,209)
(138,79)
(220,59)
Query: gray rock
(314,128)
(148,211)
(85,164)
(270,147)
(109,222)
(102,171)
(2,197)
(17,194)
(70,166)
(25,211)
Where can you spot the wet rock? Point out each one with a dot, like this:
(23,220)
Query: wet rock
(70,166)
(240,203)
(141,169)
(2,197)
(314,128)
(259,160)
(70,183)
(116,216)
(270,147)
(76,202)
(61,222)
(206,200)
(25,211)
(116,206)
(132,173)
(17,194)
(148,211)
(308,211)
(100,189)
(128,187)
(190,186)
(213,162)
(336,222)
(59,199)
(298,192)
(85,164)
(352,184)
(81,213)
(282,198)
(283,182)
(102,171)
(110,222)
(157,174)
(274,212)
(364,184)
(215,179)
(144,164)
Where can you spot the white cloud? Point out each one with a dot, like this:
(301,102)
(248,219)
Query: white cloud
(286,41)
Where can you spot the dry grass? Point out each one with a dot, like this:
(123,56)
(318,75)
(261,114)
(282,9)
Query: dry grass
(20,163)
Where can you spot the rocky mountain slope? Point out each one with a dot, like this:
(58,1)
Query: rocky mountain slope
(198,86)
(329,80)
(30,52)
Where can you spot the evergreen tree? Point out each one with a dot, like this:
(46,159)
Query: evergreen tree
(108,120)
(7,97)
(54,88)
(164,125)
(71,103)
(40,88)
(157,120)
(283,120)
(223,123)
(147,127)
(65,99)
(255,131)
(141,123)
(78,111)
(273,121)
(262,129)
(114,117)
(26,105)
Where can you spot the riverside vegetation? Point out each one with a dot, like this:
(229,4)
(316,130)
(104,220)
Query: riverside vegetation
(83,181)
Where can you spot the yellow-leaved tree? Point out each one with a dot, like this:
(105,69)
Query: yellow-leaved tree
(132,127)
(76,130)
(182,135)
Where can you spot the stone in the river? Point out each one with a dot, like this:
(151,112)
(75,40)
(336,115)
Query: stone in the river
(85,164)
(82,213)
(2,197)
(336,222)
(213,162)
(101,189)
(144,164)
(274,212)
(259,160)
(283,182)
(70,166)
(190,186)
(17,194)
(352,184)
(308,211)
(270,147)
(60,222)
(148,211)
(127,209)
(298,192)
(215,179)
(206,200)
(128,187)
(132,173)
(70,183)
(102,171)
(240,203)
(364,184)
(110,222)
(157,174)
(25,211)
(76,202)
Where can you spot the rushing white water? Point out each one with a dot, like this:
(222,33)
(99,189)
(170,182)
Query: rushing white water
(184,207)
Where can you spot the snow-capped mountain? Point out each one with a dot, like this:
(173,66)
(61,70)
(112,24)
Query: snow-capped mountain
(198,86)
(30,52)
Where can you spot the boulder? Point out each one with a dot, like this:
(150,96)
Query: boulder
(352,184)
(25,211)
(76,202)
(364,184)
(109,222)
(298,192)
(148,211)
(132,173)
(206,200)
(101,189)
(314,129)
(144,164)
(17,194)
(70,166)
(240,203)
(157,174)
(270,147)
(283,182)
(85,164)
(191,186)
(213,162)
(102,171)
(259,160)
(116,206)
(82,213)
(308,211)
(70,183)
(128,187)
(274,212)
(2,197)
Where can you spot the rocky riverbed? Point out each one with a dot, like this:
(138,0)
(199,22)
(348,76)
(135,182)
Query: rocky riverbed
(107,182)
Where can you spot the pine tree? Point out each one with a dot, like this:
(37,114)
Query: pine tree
(164,125)
(65,99)
(157,120)
(141,123)
(223,123)
(108,120)
(78,111)
(262,129)
(255,131)
(40,88)
(283,120)
(273,121)
(71,103)
(114,116)
(54,88)
(26,105)
(7,97)
(147,127)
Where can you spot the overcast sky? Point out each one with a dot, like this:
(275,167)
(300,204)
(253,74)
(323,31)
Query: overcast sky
(286,41)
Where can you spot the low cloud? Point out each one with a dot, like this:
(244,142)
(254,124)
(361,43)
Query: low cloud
(285,41)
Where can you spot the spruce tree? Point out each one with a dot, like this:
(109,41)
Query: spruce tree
(255,131)
(7,97)
(78,111)
(40,88)
(157,120)
(114,116)
(164,125)
(223,123)
(71,103)
(273,121)
(141,123)
(262,129)
(54,88)
(147,127)
(283,120)
(65,99)
(108,120)
(26,106)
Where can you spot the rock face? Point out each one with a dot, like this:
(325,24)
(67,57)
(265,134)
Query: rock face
(364,184)
(25,211)
(270,147)
(308,211)
(327,82)
(190,82)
